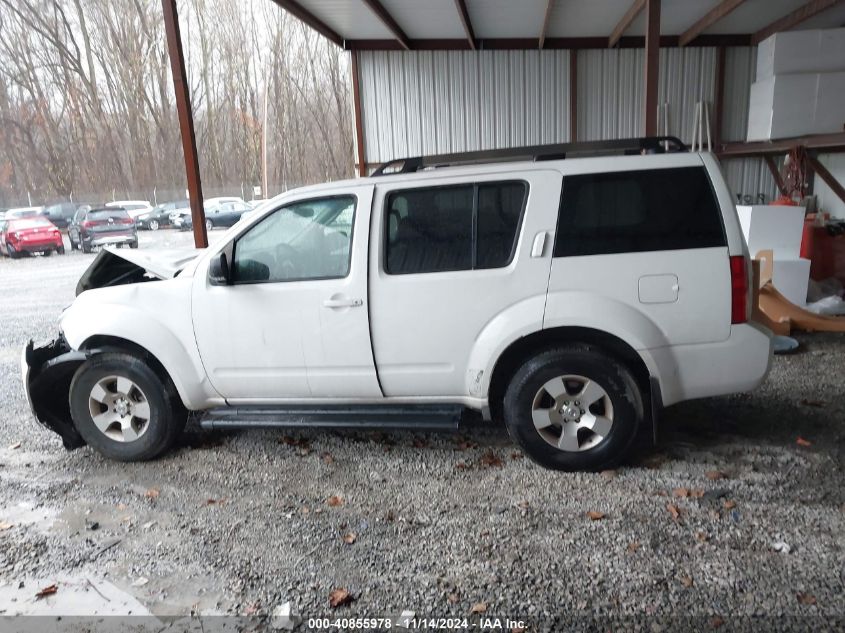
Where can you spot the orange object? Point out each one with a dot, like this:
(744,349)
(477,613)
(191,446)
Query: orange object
(779,309)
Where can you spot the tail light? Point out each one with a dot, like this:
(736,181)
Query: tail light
(127,221)
(88,224)
(739,290)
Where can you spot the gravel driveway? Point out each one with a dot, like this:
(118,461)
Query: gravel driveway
(739,512)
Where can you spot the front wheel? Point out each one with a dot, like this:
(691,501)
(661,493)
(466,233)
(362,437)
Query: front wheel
(123,409)
(573,408)
(209,225)
(86,248)
(154,225)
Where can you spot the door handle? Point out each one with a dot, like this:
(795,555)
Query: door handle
(539,244)
(343,303)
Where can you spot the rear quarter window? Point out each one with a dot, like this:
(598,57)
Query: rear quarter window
(638,211)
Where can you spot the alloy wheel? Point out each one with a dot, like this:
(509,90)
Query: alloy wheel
(572,413)
(119,409)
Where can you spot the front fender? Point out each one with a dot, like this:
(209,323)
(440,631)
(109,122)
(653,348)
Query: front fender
(134,313)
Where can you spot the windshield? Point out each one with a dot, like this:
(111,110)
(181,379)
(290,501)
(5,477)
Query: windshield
(33,223)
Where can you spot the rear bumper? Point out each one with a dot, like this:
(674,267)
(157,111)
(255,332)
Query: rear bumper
(47,372)
(737,364)
(32,246)
(103,240)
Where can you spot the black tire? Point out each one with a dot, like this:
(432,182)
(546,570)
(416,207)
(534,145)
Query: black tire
(13,254)
(60,250)
(589,362)
(47,253)
(133,244)
(86,248)
(166,414)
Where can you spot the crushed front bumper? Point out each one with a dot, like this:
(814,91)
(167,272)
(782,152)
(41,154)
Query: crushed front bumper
(47,372)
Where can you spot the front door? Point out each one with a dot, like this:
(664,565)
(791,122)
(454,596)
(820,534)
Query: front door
(293,321)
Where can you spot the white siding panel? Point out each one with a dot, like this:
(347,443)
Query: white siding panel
(828,200)
(449,101)
(749,177)
(610,94)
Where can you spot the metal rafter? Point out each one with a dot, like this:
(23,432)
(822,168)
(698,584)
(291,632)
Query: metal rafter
(708,19)
(391,24)
(549,6)
(461,5)
(791,20)
(625,22)
(298,11)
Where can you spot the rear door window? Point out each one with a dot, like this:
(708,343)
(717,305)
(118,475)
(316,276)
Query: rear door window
(451,228)
(638,211)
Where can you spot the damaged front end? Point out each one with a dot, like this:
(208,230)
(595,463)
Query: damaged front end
(47,372)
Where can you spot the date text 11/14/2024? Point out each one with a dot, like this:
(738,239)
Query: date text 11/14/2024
(415,623)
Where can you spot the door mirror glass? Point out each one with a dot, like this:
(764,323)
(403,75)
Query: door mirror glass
(218,270)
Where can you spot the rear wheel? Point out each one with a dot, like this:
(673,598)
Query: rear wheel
(61,250)
(574,408)
(209,225)
(123,409)
(154,225)
(47,253)
(86,248)
(133,244)
(13,254)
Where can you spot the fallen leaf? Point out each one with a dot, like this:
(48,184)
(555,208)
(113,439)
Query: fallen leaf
(152,493)
(350,537)
(340,597)
(681,492)
(6,526)
(806,598)
(334,501)
(453,598)
(15,446)
(523,505)
(516,455)
(47,591)
(696,494)
(479,607)
(218,502)
(595,516)
(802,442)
(729,504)
(419,443)
(714,475)
(517,629)
(673,510)
(121,506)
(686,581)
(491,460)
(327,458)
(608,474)
(702,537)
(716,622)
(461,466)
(633,546)
(813,403)
(305,510)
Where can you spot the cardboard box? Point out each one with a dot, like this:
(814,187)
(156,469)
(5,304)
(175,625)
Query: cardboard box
(786,106)
(772,227)
(791,277)
(811,51)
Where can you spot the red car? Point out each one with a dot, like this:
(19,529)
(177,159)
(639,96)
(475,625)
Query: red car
(30,235)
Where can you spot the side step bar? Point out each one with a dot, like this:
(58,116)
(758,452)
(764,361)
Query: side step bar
(407,417)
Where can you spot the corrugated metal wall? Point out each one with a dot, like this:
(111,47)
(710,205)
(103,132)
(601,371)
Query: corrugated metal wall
(431,102)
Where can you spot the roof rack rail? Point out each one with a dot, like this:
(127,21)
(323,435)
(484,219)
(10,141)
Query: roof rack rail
(647,144)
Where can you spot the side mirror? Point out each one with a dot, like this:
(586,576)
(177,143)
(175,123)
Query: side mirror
(218,270)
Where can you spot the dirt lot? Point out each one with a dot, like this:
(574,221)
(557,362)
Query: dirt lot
(739,512)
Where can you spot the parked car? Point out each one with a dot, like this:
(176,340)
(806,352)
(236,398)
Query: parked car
(571,298)
(62,213)
(159,216)
(223,212)
(134,208)
(22,212)
(30,234)
(102,226)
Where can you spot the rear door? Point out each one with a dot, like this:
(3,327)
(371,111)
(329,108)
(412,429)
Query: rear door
(646,233)
(453,259)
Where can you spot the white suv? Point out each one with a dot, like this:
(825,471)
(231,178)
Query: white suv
(571,297)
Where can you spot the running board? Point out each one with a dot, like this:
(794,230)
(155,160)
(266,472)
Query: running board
(407,417)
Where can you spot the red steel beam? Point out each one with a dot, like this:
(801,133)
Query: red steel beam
(773,168)
(652,65)
(186,120)
(828,178)
(791,20)
(359,122)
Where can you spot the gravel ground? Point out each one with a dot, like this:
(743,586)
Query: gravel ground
(731,516)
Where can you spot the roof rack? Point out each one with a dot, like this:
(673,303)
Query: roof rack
(646,144)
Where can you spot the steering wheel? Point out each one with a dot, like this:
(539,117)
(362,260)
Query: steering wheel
(287,264)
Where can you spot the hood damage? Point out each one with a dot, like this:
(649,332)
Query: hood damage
(113,267)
